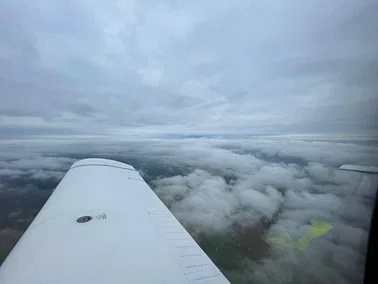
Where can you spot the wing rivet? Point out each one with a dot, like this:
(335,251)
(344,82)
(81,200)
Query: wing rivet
(84,219)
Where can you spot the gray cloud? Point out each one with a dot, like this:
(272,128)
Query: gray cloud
(8,238)
(285,196)
(231,194)
(125,67)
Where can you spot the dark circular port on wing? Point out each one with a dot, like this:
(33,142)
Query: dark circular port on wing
(84,219)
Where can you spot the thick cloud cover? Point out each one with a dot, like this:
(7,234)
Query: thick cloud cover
(126,67)
(230,194)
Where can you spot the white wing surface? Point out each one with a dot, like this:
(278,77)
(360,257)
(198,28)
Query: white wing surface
(103,224)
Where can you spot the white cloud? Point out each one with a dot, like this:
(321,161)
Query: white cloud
(290,195)
(261,185)
(49,163)
(35,167)
(11,172)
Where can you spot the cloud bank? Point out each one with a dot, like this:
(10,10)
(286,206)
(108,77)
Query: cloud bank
(231,195)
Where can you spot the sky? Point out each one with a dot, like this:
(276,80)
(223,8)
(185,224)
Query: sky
(230,194)
(160,68)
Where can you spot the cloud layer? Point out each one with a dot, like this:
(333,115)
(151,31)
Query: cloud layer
(139,67)
(230,195)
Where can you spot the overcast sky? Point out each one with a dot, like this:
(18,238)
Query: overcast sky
(185,67)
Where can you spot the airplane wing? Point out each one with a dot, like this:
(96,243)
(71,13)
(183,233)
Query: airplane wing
(103,224)
(361,169)
(368,177)
(368,183)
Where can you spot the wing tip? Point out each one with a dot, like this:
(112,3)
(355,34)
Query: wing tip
(362,169)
